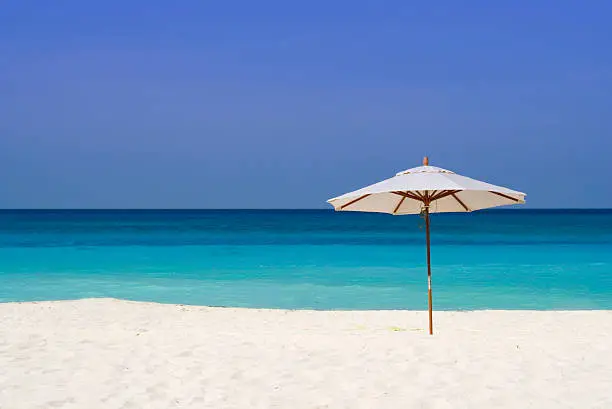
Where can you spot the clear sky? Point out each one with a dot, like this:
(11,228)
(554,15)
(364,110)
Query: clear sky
(283,104)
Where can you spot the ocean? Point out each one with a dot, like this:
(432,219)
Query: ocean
(310,259)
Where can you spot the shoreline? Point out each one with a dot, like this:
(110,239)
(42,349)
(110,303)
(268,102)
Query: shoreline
(221,307)
(102,352)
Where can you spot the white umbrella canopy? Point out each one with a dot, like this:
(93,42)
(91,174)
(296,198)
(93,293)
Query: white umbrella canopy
(424,190)
(408,191)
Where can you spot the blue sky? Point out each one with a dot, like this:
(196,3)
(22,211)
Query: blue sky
(277,104)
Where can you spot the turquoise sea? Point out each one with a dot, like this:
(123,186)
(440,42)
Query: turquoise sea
(504,259)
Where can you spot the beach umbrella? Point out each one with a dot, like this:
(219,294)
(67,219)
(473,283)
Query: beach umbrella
(424,190)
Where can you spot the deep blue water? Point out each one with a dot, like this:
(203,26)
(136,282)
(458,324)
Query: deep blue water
(505,259)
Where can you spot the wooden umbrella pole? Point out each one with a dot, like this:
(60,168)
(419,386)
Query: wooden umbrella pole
(428,270)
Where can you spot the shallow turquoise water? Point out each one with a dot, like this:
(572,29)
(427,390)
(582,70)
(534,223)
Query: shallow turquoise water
(310,259)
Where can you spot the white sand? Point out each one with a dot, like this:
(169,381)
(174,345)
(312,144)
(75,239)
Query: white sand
(118,354)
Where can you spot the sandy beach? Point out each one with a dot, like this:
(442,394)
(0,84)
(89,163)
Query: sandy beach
(106,353)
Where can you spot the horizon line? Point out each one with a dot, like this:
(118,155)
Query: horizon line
(522,208)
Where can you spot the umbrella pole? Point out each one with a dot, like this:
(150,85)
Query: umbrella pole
(428,271)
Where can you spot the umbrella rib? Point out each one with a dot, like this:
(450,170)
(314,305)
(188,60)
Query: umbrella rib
(443,194)
(436,194)
(399,204)
(413,196)
(505,196)
(409,195)
(467,209)
(344,206)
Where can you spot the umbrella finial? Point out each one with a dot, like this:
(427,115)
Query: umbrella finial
(425,161)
